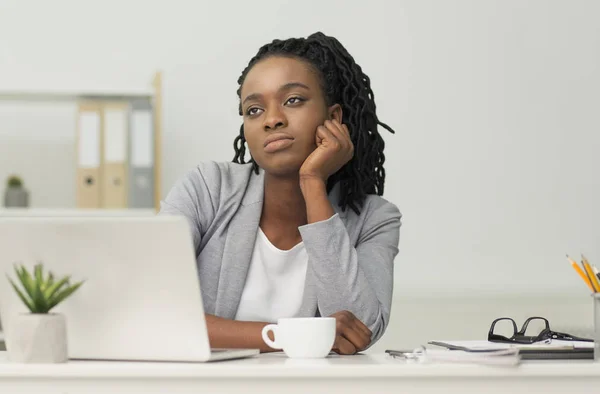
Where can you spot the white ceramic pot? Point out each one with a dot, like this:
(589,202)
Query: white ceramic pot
(37,338)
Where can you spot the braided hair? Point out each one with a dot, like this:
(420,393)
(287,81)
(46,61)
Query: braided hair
(343,82)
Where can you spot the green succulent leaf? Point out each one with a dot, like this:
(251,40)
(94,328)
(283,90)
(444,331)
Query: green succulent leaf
(38,271)
(41,293)
(22,296)
(26,280)
(61,295)
(49,281)
(51,290)
(38,299)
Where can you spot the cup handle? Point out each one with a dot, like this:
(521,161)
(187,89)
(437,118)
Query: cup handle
(265,336)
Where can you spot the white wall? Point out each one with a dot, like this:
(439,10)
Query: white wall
(496,106)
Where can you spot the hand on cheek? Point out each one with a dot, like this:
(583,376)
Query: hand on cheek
(334,149)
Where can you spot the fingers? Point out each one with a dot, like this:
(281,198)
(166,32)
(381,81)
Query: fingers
(338,131)
(343,346)
(356,337)
(353,330)
(346,131)
(342,134)
(341,127)
(348,318)
(336,135)
(326,136)
(321,134)
(361,326)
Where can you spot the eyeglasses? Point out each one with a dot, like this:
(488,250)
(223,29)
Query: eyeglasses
(521,336)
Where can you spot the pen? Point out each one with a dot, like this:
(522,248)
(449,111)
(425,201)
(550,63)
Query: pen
(581,273)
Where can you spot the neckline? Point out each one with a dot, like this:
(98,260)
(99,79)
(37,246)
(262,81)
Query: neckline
(299,245)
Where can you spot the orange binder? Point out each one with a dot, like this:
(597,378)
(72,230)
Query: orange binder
(114,183)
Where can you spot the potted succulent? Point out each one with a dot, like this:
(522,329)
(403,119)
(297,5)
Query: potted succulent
(15,195)
(39,336)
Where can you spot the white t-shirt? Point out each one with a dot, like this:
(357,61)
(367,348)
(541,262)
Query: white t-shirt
(275,283)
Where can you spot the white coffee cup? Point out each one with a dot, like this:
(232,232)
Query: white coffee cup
(302,337)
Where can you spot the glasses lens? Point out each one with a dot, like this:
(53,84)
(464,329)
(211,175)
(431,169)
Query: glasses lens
(535,327)
(505,328)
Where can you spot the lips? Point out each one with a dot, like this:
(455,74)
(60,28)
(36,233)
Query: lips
(277,142)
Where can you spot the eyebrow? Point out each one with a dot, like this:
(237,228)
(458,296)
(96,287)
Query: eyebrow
(287,86)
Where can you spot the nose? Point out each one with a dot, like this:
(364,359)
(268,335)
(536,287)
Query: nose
(274,119)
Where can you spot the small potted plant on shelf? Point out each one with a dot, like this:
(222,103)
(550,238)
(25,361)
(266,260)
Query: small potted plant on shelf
(15,196)
(39,336)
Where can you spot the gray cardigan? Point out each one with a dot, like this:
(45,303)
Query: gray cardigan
(350,256)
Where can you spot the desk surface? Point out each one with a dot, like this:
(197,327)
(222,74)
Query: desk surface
(275,372)
(277,364)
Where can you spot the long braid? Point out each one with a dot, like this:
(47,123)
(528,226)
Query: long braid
(343,82)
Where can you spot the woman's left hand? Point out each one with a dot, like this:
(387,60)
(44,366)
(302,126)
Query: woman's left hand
(334,149)
(352,335)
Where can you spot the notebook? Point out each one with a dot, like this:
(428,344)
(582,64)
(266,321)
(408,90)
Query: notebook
(547,350)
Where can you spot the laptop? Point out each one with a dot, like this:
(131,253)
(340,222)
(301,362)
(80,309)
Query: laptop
(141,299)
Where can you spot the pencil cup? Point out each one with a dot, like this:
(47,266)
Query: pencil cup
(596,298)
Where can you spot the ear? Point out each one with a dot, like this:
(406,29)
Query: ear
(335,112)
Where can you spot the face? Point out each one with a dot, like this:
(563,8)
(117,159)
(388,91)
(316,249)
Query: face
(282,106)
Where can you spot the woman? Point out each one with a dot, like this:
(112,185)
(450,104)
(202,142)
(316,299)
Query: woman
(301,229)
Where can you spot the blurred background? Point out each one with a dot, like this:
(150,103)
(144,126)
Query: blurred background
(495,103)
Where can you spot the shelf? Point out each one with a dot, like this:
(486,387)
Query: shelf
(72,96)
(77,212)
(106,94)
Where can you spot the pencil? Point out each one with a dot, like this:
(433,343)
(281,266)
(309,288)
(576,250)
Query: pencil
(581,273)
(596,271)
(593,278)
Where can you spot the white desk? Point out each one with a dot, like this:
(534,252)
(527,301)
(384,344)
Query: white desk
(274,373)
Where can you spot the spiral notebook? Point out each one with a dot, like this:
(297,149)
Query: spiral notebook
(503,357)
(549,350)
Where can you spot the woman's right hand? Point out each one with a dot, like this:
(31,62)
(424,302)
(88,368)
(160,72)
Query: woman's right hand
(352,335)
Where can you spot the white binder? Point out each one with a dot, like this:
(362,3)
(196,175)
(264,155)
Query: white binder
(89,159)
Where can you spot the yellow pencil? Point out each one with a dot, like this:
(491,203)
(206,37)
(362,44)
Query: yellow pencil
(590,272)
(581,273)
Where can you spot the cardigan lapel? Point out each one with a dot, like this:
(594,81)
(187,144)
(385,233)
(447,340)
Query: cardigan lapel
(239,245)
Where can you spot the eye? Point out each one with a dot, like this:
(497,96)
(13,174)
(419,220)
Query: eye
(294,100)
(252,111)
